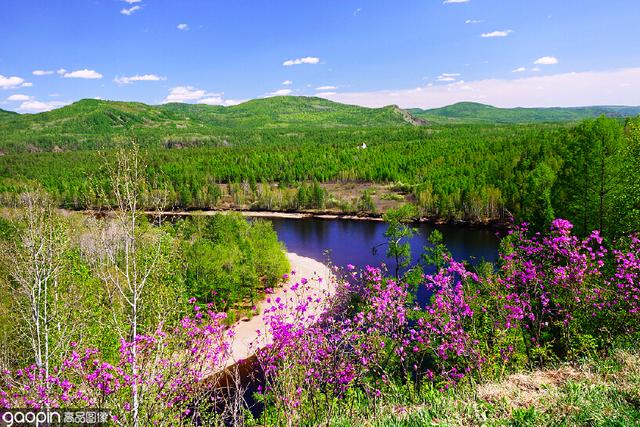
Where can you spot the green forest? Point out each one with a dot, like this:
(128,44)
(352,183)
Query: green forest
(272,154)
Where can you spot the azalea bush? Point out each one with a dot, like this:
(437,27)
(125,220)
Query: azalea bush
(550,297)
(174,368)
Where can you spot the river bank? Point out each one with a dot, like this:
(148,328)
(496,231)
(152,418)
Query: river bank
(498,224)
(252,334)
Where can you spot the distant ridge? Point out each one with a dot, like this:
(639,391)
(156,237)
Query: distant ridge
(273,112)
(90,123)
(472,112)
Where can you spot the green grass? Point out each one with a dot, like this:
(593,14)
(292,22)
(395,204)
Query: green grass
(593,393)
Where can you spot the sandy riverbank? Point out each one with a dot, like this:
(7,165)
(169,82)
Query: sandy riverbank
(269,214)
(247,338)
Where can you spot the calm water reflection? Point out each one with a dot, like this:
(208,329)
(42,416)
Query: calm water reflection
(352,241)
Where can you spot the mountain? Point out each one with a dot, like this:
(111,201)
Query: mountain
(276,112)
(287,111)
(472,112)
(6,114)
(90,123)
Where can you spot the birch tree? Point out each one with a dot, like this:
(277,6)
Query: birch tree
(125,254)
(35,263)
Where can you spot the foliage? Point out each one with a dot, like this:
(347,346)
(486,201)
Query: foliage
(174,365)
(550,293)
(105,123)
(554,297)
(436,254)
(472,112)
(464,172)
(228,260)
(398,233)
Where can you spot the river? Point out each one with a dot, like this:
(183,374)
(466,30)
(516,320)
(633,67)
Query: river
(351,241)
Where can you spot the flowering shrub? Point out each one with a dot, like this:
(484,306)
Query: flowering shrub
(440,339)
(171,367)
(555,289)
(549,296)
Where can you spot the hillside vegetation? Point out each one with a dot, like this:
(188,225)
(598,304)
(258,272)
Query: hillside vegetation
(91,123)
(472,112)
(288,153)
(4,114)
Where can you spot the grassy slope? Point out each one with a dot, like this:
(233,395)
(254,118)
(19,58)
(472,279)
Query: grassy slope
(595,393)
(471,112)
(90,123)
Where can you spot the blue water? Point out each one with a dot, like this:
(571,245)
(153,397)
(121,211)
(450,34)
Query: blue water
(345,241)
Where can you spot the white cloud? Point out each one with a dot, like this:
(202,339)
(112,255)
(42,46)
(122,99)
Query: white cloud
(287,82)
(298,61)
(326,88)
(519,70)
(41,72)
(448,77)
(82,74)
(199,96)
(501,33)
(33,106)
(546,60)
(229,102)
(124,80)
(218,100)
(280,92)
(26,84)
(184,94)
(61,71)
(132,1)
(10,82)
(18,97)
(473,21)
(130,10)
(455,1)
(183,27)
(618,87)
(212,100)
(536,69)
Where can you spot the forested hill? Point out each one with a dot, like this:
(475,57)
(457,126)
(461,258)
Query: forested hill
(6,114)
(91,123)
(471,112)
(292,111)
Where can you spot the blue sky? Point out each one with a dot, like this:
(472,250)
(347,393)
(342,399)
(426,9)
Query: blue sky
(422,53)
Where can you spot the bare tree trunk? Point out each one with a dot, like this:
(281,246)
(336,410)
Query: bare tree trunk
(35,266)
(126,257)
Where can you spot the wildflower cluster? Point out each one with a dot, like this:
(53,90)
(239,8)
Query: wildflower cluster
(548,294)
(170,367)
